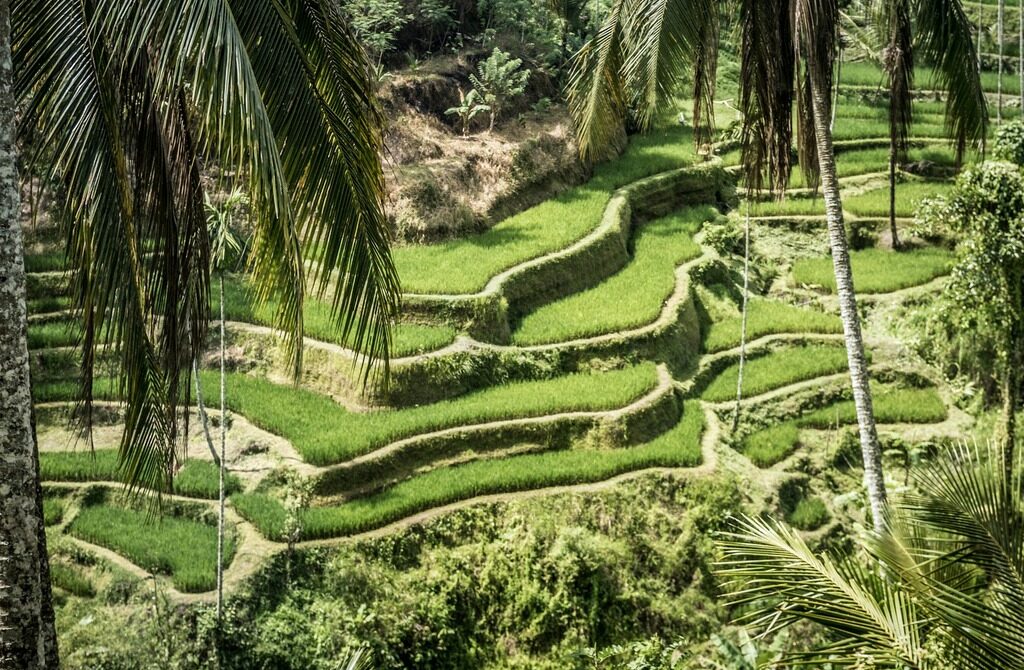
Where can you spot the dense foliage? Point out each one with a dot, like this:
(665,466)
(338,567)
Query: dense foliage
(525,585)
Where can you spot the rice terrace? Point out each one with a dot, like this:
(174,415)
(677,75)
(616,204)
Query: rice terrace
(628,334)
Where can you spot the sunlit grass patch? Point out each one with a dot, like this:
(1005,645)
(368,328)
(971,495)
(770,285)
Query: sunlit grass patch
(875,203)
(465,265)
(53,510)
(196,479)
(180,547)
(770,445)
(71,579)
(319,324)
(61,333)
(679,447)
(776,369)
(769,317)
(201,479)
(631,297)
(877,270)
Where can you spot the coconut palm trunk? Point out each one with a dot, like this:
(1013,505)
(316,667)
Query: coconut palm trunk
(870,448)
(1000,13)
(27,637)
(1011,383)
(222,463)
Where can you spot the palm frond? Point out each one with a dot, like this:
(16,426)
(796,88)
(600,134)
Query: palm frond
(767,69)
(197,47)
(770,566)
(816,40)
(73,98)
(944,39)
(663,40)
(595,92)
(314,77)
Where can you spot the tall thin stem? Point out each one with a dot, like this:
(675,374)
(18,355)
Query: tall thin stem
(223,459)
(743,319)
(999,53)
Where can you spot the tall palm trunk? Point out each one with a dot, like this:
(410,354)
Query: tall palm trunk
(27,637)
(999,51)
(1020,55)
(743,320)
(870,448)
(223,451)
(1011,382)
(893,231)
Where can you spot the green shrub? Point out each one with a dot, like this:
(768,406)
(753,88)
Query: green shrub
(1009,144)
(679,447)
(177,546)
(724,238)
(808,514)
(767,447)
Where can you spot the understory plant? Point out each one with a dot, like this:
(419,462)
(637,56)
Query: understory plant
(940,586)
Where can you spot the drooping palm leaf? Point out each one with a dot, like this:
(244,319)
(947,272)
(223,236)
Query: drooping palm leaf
(767,562)
(328,121)
(943,37)
(73,103)
(767,70)
(637,60)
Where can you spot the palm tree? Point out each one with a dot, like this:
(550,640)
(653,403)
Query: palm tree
(942,586)
(124,102)
(788,54)
(27,635)
(943,36)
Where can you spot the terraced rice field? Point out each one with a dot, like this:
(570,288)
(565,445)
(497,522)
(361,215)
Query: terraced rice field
(576,383)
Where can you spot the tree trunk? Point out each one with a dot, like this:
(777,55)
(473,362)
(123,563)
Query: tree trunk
(223,451)
(743,320)
(981,12)
(1011,384)
(870,448)
(1020,55)
(27,637)
(999,77)
(892,192)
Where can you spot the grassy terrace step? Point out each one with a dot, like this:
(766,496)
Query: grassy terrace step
(196,479)
(873,203)
(679,447)
(769,317)
(628,299)
(777,369)
(407,338)
(325,433)
(870,74)
(465,265)
(878,270)
(768,446)
(178,546)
